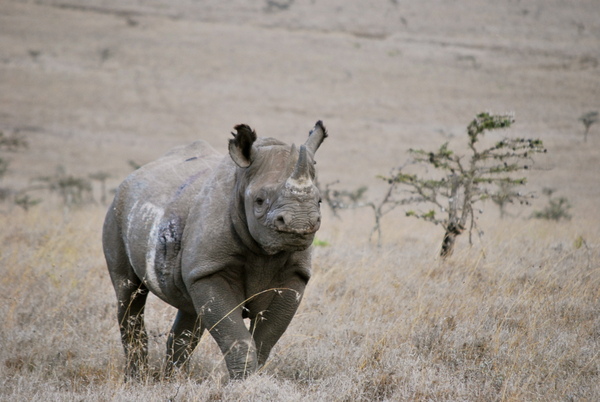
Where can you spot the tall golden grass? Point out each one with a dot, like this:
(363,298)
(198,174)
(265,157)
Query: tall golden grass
(516,317)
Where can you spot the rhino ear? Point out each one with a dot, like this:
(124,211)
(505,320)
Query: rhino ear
(316,137)
(240,146)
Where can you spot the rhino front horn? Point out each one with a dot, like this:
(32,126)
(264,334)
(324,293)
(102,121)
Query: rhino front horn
(300,177)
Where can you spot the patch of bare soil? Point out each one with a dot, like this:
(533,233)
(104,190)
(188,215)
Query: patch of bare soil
(93,84)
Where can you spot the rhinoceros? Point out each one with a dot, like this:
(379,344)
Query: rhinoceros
(220,238)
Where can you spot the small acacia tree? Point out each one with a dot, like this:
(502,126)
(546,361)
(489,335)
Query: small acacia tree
(347,199)
(557,208)
(462,181)
(588,119)
(8,143)
(73,190)
(101,177)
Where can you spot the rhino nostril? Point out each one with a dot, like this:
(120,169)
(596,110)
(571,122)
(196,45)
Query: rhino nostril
(280,222)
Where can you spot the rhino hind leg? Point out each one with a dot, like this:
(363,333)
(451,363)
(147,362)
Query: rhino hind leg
(131,298)
(133,331)
(183,339)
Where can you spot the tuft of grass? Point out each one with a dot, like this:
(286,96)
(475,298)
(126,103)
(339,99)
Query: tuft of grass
(320,243)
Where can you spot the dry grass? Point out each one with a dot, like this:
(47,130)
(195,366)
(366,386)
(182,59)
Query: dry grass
(93,84)
(521,323)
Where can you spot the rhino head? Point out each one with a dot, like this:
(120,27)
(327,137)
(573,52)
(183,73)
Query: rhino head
(278,201)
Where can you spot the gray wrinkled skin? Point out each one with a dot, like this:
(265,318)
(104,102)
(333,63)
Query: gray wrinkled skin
(220,238)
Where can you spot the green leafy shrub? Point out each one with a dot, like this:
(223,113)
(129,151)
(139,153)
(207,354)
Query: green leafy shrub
(557,208)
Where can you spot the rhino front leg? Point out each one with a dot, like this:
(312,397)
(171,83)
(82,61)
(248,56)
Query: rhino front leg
(221,313)
(183,339)
(268,326)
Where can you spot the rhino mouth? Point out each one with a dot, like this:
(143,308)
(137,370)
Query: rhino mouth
(291,241)
(300,233)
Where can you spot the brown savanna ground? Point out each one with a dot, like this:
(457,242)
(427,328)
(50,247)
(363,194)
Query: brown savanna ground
(94,84)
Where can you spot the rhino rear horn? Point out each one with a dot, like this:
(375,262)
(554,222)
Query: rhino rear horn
(316,137)
(300,177)
(240,146)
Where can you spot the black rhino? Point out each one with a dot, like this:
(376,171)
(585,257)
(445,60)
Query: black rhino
(220,239)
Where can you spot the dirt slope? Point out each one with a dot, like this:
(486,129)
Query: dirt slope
(93,84)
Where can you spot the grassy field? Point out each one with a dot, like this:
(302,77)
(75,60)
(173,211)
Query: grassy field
(96,84)
(389,323)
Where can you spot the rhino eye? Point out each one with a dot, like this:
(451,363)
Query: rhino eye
(259,201)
